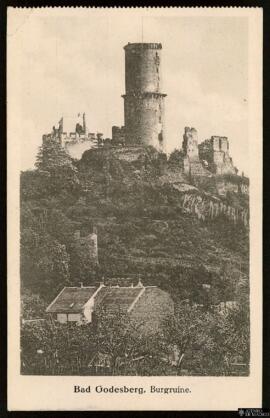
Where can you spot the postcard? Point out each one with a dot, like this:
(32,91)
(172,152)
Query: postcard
(134,208)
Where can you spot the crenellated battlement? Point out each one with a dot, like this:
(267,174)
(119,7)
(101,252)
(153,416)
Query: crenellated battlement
(143,45)
(75,142)
(144,123)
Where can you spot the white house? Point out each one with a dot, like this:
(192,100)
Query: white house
(148,304)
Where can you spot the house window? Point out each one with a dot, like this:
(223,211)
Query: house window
(73,317)
(62,318)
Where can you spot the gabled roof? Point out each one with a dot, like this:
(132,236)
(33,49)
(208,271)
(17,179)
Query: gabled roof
(110,298)
(116,298)
(71,299)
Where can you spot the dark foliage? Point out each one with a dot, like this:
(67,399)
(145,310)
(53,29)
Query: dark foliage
(142,230)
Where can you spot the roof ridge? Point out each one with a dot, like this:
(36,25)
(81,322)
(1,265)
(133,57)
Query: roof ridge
(55,299)
(123,287)
(80,287)
(92,297)
(136,299)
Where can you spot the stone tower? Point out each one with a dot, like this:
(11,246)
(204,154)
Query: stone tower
(192,164)
(190,143)
(86,246)
(143,101)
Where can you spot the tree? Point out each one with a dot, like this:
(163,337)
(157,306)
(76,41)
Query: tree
(232,336)
(44,263)
(59,172)
(50,348)
(186,331)
(118,337)
(51,155)
(207,342)
(32,306)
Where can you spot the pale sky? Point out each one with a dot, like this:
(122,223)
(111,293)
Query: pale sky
(68,63)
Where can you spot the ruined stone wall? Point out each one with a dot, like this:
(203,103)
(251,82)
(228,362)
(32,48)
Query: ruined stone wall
(206,208)
(76,149)
(143,101)
(244,188)
(74,144)
(215,153)
(218,159)
(206,153)
(86,246)
(224,144)
(223,187)
(118,135)
(77,142)
(192,164)
(190,143)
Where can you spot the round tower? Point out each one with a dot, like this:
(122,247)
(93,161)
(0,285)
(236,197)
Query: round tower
(143,101)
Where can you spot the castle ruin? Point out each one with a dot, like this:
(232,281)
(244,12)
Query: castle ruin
(144,123)
(191,161)
(214,153)
(76,142)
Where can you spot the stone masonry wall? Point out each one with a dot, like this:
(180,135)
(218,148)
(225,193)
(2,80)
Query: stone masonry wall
(215,153)
(192,164)
(143,101)
(86,247)
(144,120)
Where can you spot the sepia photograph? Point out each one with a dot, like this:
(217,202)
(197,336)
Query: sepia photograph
(134,162)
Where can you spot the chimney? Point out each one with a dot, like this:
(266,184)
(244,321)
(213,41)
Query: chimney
(139,284)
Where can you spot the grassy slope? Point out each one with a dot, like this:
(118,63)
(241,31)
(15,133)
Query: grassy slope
(142,228)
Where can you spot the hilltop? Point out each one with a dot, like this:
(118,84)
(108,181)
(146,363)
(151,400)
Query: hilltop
(152,220)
